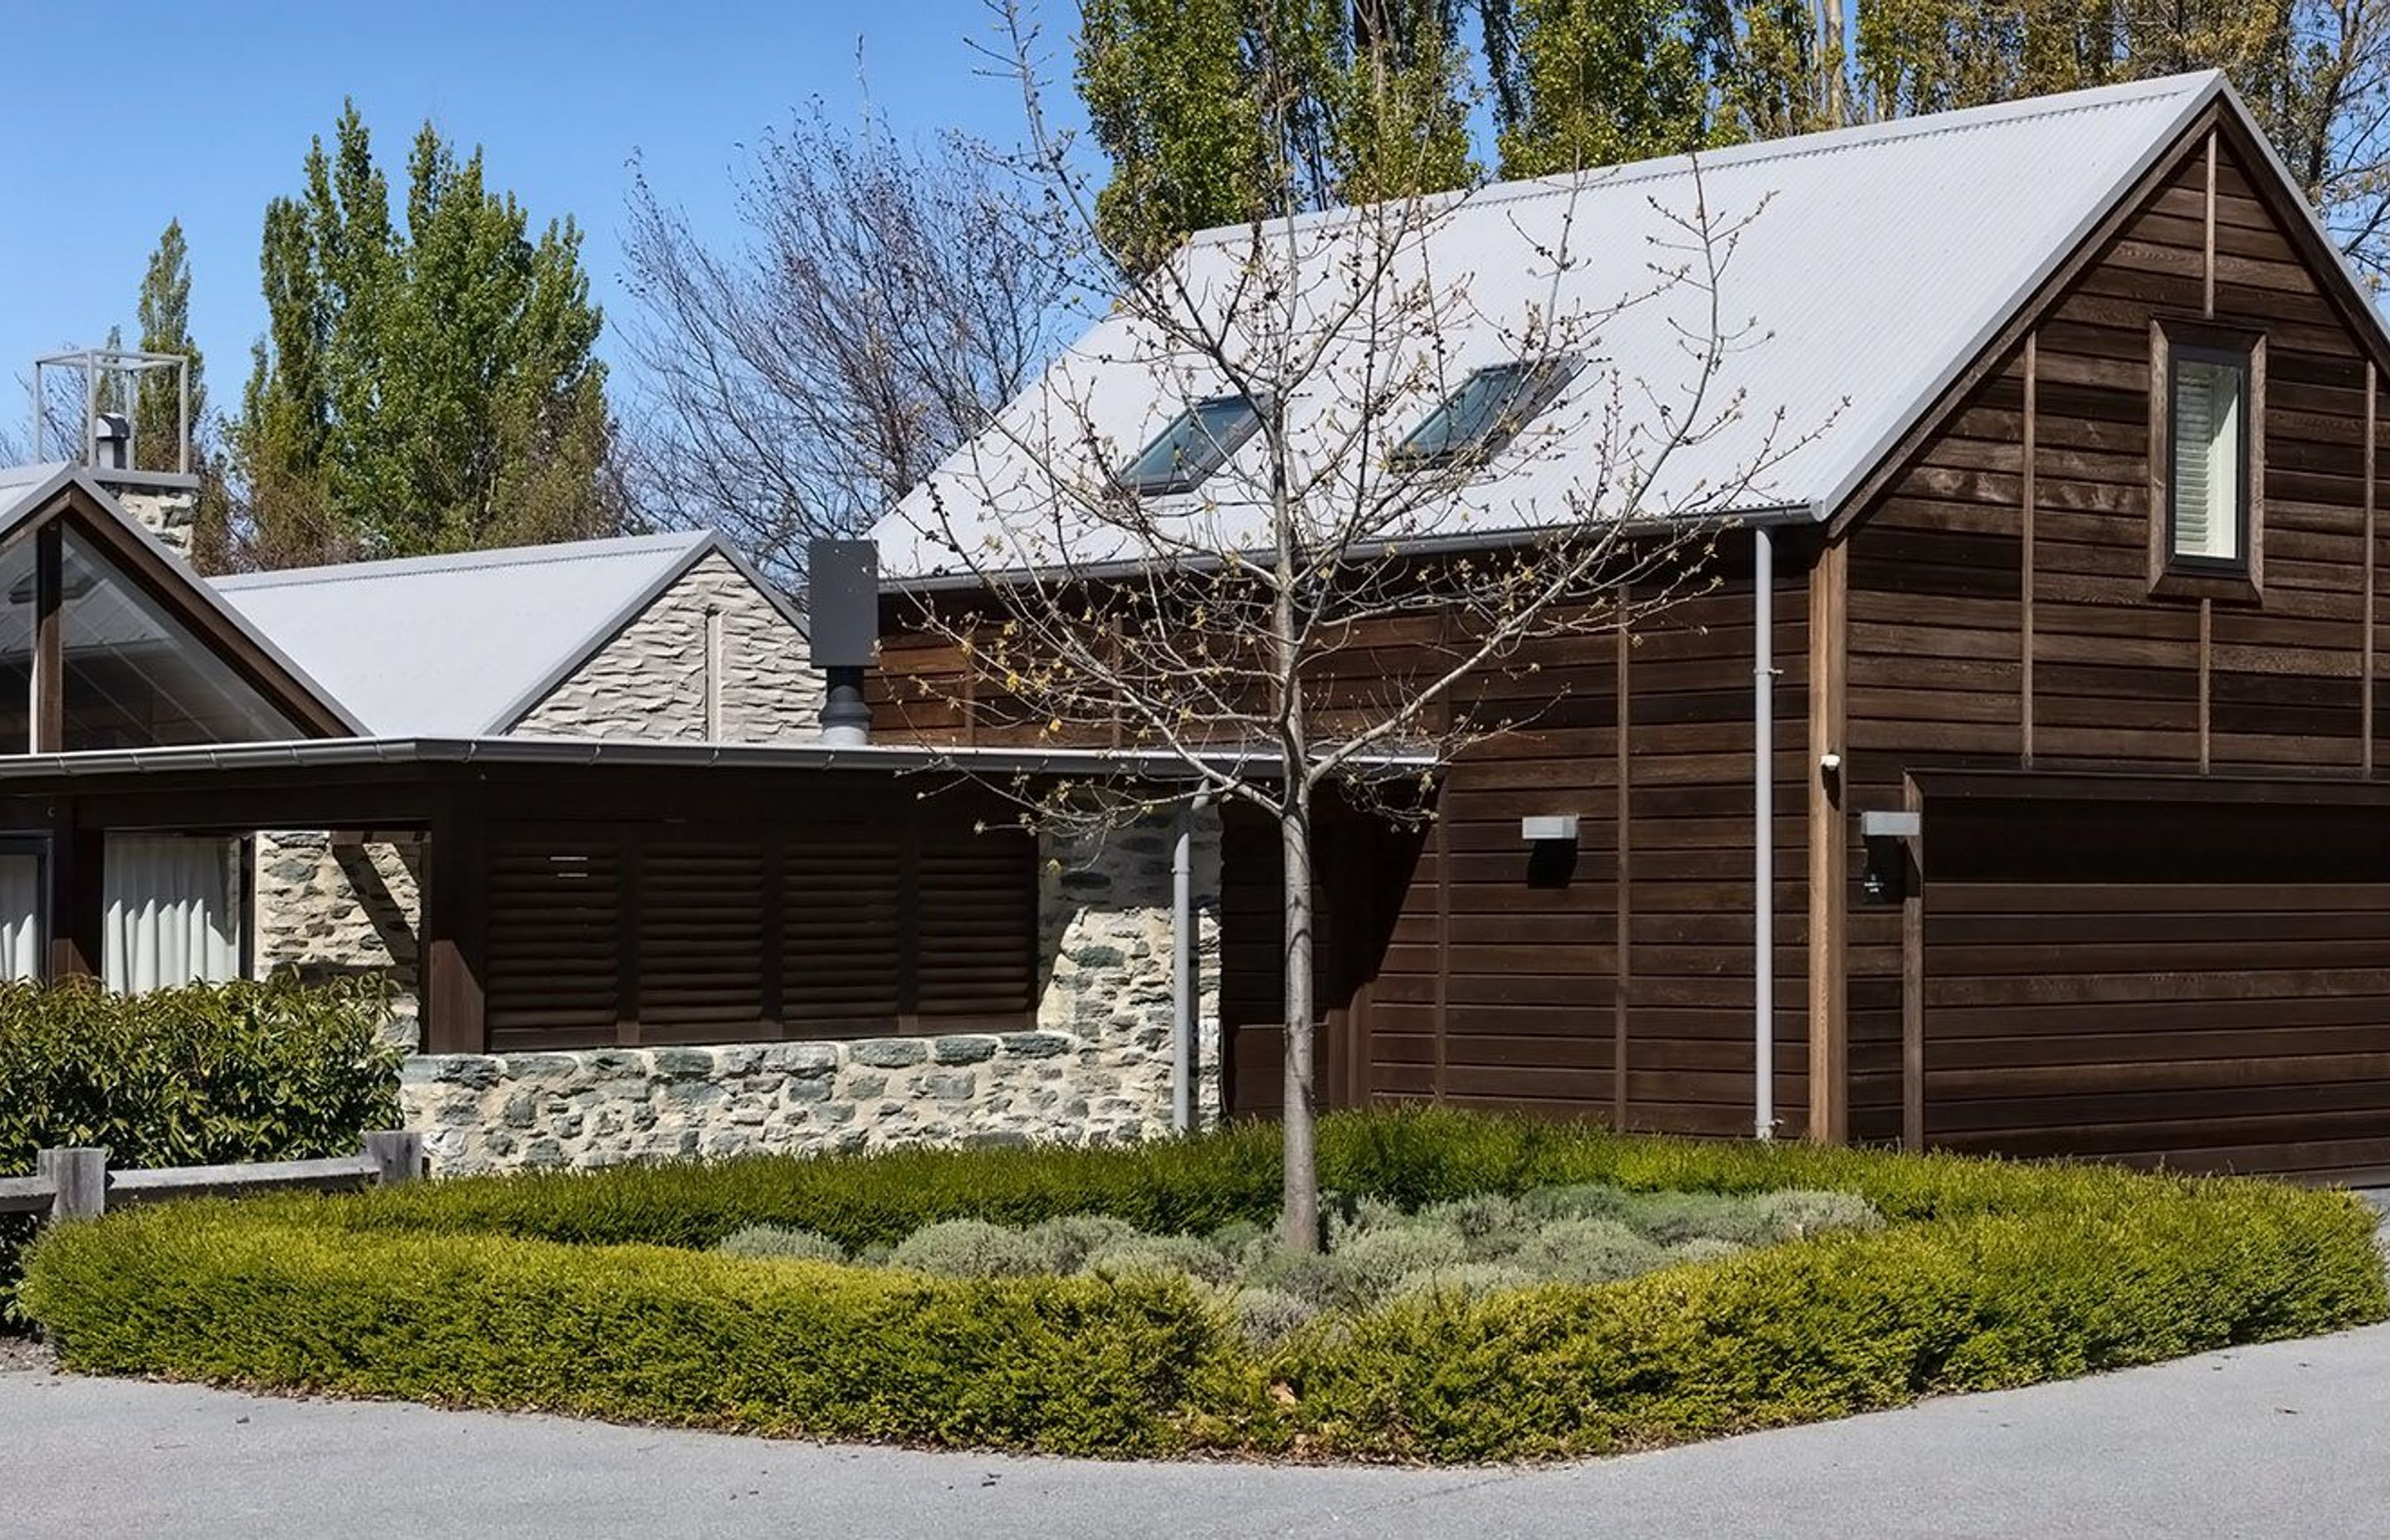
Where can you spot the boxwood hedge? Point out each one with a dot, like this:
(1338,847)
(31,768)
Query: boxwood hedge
(585,1293)
(279,1071)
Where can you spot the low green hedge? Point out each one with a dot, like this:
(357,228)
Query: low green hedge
(213,1073)
(552,1292)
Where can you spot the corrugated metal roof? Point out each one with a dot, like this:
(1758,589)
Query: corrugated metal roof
(1869,265)
(453,646)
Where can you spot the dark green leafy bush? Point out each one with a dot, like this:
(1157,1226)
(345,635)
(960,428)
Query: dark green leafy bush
(1986,1274)
(239,1072)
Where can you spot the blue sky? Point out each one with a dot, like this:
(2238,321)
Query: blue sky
(206,108)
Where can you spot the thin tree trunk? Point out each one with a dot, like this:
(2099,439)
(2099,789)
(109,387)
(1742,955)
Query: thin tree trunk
(1299,1215)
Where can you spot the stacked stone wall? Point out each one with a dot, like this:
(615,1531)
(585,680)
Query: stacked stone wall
(329,907)
(649,681)
(1096,1069)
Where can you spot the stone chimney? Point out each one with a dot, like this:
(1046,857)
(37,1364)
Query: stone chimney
(165,501)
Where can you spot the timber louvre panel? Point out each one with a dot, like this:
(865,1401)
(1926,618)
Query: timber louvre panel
(552,952)
(860,928)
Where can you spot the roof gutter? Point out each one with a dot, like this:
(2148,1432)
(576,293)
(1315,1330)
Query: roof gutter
(891,758)
(1106,571)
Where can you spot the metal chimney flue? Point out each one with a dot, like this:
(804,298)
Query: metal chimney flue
(112,441)
(842,617)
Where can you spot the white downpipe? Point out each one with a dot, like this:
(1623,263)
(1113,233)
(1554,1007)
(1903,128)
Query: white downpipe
(1182,969)
(1762,818)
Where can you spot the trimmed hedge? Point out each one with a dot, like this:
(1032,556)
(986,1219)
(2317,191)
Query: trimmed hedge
(213,1073)
(550,1292)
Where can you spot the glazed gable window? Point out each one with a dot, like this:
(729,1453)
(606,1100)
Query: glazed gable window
(2208,482)
(2206,453)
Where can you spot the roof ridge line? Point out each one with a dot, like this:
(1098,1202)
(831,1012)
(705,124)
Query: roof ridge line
(1923,125)
(467,562)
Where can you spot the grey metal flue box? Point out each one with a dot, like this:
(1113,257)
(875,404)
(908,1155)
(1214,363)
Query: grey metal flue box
(842,608)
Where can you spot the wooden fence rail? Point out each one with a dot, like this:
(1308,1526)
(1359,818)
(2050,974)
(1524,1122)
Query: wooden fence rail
(76,1183)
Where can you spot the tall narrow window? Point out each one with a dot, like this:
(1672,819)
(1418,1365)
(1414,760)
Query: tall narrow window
(2208,492)
(1198,442)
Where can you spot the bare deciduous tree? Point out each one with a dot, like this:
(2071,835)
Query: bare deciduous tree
(883,300)
(1234,615)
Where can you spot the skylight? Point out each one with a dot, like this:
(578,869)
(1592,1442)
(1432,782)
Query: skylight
(1198,442)
(1481,416)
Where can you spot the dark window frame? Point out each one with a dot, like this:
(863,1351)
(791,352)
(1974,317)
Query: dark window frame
(41,848)
(2237,361)
(1541,382)
(1190,470)
(2173,572)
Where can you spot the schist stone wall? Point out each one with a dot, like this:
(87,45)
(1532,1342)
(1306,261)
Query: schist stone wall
(649,681)
(170,513)
(330,907)
(1096,1068)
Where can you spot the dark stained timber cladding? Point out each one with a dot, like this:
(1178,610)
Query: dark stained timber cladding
(2191,985)
(2125,680)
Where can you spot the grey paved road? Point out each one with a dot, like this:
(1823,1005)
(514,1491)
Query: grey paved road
(2283,1440)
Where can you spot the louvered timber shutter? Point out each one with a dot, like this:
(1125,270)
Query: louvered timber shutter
(842,931)
(977,925)
(554,940)
(700,938)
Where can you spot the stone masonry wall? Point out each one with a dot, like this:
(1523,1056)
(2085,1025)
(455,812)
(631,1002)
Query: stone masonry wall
(649,682)
(332,908)
(1096,1069)
(171,514)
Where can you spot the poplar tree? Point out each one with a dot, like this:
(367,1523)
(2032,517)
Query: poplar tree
(427,382)
(1596,82)
(163,315)
(1218,111)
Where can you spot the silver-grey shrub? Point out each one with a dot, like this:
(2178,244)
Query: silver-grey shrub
(779,1243)
(972,1249)
(1587,1251)
(1183,1254)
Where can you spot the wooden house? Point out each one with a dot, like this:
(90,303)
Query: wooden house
(2071,838)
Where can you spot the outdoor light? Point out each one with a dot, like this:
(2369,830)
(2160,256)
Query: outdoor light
(1548,829)
(1891,858)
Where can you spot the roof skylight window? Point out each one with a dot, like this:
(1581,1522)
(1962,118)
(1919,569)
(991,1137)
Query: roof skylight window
(1482,416)
(1198,442)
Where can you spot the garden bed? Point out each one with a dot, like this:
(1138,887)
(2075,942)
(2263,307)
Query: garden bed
(1883,1278)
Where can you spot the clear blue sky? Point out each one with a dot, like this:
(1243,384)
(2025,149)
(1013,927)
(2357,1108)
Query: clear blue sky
(120,116)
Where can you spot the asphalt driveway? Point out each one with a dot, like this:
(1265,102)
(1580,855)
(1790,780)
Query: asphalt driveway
(2286,1439)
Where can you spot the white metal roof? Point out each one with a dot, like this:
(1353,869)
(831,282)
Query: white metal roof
(1875,263)
(459,644)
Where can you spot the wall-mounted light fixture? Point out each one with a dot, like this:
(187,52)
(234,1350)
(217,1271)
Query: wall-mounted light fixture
(1891,872)
(1551,848)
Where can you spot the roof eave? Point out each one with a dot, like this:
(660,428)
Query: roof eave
(891,758)
(1772,515)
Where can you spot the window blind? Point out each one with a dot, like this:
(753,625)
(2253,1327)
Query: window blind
(2207,472)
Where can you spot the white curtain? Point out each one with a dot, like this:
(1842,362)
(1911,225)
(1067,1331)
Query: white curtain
(173,911)
(21,912)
